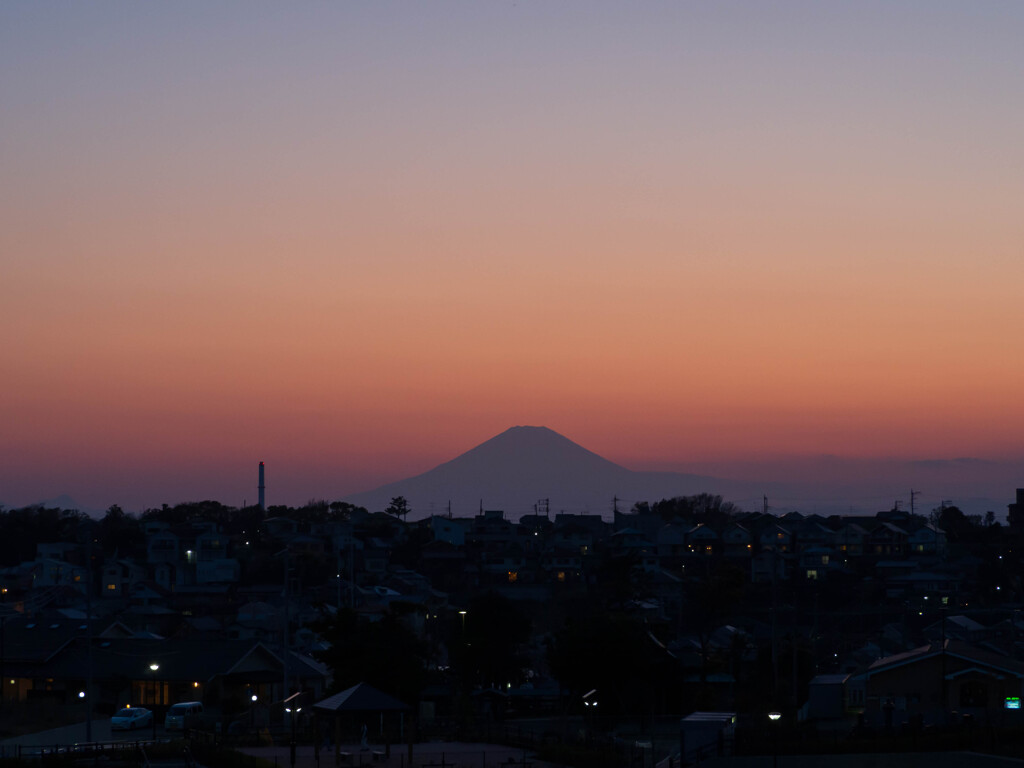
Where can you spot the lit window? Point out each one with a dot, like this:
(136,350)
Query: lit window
(824,559)
(561,575)
(513,576)
(111,587)
(812,574)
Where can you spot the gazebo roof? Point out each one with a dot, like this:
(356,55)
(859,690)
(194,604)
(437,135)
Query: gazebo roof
(360,698)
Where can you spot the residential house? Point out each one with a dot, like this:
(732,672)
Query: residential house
(777,538)
(703,540)
(671,542)
(816,563)
(451,530)
(886,540)
(851,540)
(931,683)
(163,546)
(634,544)
(927,540)
(737,541)
(118,576)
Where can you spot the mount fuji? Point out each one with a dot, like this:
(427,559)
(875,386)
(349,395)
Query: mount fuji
(523,467)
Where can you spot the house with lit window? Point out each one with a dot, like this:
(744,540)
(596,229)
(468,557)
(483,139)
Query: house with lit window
(920,584)
(211,545)
(504,564)
(225,673)
(634,544)
(851,539)
(118,576)
(48,572)
(816,563)
(563,565)
(777,539)
(927,540)
(703,540)
(572,533)
(886,540)
(737,541)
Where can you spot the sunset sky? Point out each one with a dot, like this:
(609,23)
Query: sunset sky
(355,239)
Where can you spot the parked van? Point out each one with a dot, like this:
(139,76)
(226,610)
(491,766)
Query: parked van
(182,714)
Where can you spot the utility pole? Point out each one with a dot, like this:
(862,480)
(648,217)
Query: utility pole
(284,656)
(88,636)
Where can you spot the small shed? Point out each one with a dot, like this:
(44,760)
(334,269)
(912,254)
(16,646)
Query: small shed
(704,734)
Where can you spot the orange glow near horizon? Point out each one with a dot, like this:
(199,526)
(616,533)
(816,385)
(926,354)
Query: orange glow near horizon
(702,245)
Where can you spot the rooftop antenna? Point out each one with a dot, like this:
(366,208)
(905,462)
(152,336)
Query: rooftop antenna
(913,493)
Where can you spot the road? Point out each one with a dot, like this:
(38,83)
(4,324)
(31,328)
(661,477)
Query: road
(76,734)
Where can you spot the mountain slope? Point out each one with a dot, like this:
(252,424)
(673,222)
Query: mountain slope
(522,465)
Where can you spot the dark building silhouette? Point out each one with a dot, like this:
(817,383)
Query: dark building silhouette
(1015,511)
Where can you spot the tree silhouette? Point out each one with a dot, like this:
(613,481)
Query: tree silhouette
(398,507)
(386,653)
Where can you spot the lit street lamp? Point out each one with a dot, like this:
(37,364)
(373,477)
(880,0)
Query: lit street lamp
(154,668)
(295,714)
(774,717)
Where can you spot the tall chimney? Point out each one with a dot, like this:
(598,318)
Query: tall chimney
(262,488)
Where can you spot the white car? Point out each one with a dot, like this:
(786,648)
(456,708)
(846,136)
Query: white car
(129,718)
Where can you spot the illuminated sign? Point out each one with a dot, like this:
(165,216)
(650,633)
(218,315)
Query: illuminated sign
(1012,702)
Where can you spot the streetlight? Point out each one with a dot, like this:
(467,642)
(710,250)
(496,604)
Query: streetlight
(294,713)
(774,717)
(154,667)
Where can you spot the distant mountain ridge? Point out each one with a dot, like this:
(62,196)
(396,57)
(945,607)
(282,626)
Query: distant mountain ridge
(523,465)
